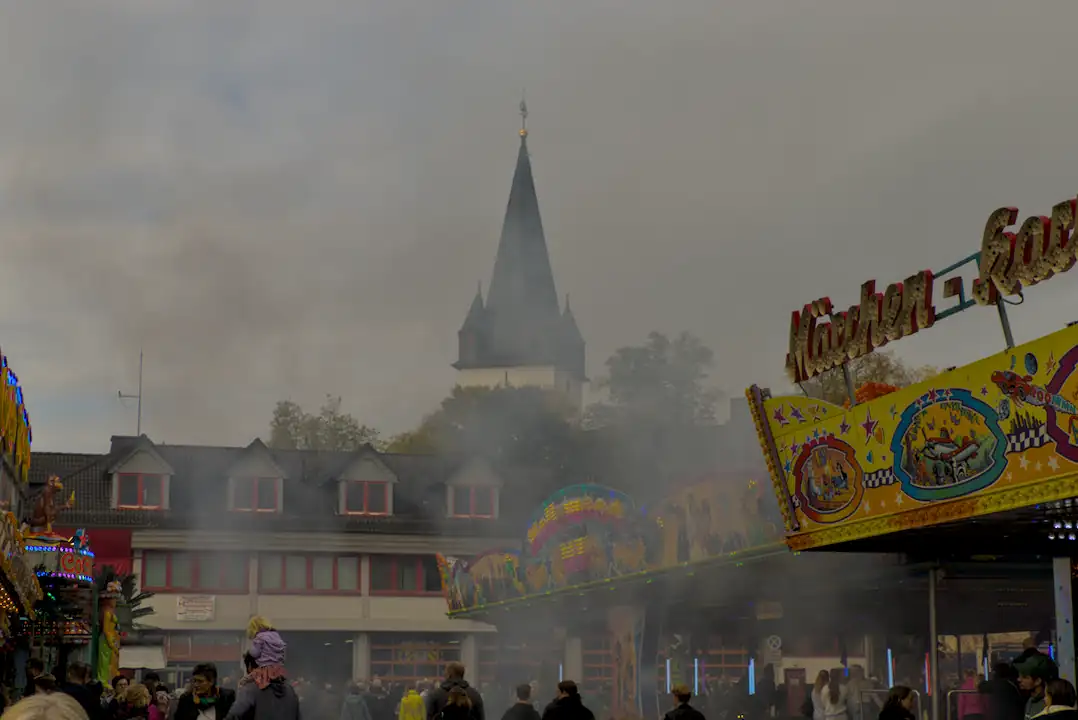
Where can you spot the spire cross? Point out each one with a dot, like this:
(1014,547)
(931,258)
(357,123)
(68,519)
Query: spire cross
(523,118)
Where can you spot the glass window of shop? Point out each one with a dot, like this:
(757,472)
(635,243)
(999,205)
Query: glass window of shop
(408,658)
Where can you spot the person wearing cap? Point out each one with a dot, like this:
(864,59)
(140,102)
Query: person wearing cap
(1033,674)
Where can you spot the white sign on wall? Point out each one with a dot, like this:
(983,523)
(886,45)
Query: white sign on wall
(195,608)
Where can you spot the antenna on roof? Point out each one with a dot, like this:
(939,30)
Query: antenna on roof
(120,394)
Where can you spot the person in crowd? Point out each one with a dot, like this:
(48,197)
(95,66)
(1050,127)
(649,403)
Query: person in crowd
(119,687)
(522,709)
(34,668)
(136,704)
(683,710)
(1059,700)
(1034,673)
(152,681)
(46,706)
(204,700)
(971,704)
(44,683)
(899,704)
(823,679)
(834,698)
(568,705)
(378,701)
(412,706)
(267,647)
(263,693)
(1004,700)
(355,706)
(454,680)
(458,705)
(78,687)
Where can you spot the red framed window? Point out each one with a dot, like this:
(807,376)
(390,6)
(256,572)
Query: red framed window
(192,571)
(366,498)
(294,573)
(135,491)
(476,501)
(405,575)
(255,494)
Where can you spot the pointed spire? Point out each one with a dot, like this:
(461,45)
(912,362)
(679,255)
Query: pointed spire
(523,117)
(474,318)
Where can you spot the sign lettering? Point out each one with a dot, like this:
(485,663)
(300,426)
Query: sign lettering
(902,309)
(1008,262)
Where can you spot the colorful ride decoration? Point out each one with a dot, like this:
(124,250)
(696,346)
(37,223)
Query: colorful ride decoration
(587,534)
(19,570)
(15,433)
(108,646)
(966,443)
(57,557)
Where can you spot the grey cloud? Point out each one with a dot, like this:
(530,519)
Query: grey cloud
(287,199)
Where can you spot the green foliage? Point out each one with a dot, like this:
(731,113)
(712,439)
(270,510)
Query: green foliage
(330,429)
(662,382)
(514,426)
(878,367)
(129,606)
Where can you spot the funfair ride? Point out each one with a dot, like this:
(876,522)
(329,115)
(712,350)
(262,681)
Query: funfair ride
(977,466)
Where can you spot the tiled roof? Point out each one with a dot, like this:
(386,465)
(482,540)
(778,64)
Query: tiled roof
(198,491)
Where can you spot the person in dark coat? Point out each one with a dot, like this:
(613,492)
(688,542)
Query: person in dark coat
(683,711)
(78,687)
(568,705)
(203,695)
(899,704)
(263,695)
(438,698)
(522,709)
(1005,701)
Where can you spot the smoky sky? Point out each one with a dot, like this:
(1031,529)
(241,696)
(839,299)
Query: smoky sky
(280,199)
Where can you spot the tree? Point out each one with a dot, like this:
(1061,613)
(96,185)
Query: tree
(662,382)
(869,373)
(331,429)
(510,426)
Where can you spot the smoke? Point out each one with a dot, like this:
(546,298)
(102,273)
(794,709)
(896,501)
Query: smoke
(279,199)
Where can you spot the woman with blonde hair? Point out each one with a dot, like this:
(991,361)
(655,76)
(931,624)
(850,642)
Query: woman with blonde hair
(136,703)
(53,706)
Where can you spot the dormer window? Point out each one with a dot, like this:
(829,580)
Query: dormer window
(362,497)
(138,491)
(256,494)
(474,501)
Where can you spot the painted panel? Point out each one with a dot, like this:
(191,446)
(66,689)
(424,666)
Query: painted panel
(998,434)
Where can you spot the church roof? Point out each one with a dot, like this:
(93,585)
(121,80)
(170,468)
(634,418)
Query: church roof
(521,323)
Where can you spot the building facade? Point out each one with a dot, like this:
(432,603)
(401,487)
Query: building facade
(336,548)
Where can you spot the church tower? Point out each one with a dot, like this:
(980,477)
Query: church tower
(520,336)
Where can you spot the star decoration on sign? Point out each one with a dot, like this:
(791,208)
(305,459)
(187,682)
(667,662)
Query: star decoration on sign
(796,414)
(816,434)
(788,466)
(1053,463)
(869,425)
(868,457)
(844,428)
(793,448)
(932,395)
(779,417)
(984,391)
(898,498)
(1023,461)
(920,403)
(947,394)
(865,507)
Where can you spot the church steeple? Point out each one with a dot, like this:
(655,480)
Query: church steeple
(521,323)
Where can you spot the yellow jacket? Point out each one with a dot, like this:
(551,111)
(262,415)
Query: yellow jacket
(412,707)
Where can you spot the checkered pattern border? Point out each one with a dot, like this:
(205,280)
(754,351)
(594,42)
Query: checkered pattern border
(1026,439)
(880,478)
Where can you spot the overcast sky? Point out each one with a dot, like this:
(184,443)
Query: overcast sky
(287,199)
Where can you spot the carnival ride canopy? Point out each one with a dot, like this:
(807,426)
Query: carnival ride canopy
(978,461)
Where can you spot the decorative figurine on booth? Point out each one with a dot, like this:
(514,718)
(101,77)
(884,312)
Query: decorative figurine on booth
(46,506)
(108,646)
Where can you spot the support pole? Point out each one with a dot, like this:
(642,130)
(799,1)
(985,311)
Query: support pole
(933,644)
(1064,601)
(1005,322)
(849,384)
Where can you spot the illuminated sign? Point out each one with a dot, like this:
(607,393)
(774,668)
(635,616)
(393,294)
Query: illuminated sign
(15,434)
(570,508)
(1006,263)
(903,309)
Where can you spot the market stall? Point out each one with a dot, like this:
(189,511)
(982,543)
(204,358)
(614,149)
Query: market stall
(977,464)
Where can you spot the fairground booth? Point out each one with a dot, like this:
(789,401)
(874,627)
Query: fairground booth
(971,476)
(629,596)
